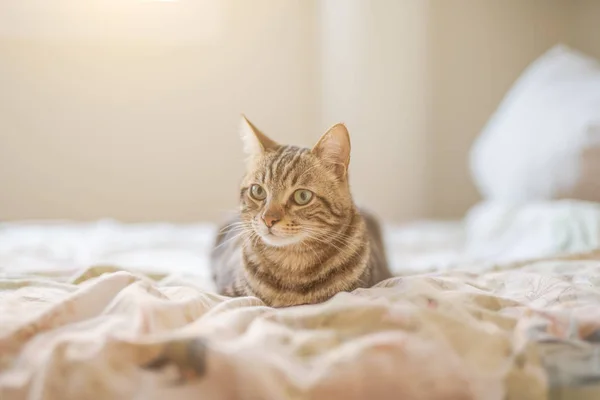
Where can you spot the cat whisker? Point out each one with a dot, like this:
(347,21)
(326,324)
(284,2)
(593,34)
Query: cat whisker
(233,225)
(232,228)
(238,235)
(337,236)
(319,238)
(342,252)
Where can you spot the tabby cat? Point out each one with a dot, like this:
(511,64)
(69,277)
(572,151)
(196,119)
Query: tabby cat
(298,238)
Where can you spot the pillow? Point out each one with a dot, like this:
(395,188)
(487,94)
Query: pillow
(543,142)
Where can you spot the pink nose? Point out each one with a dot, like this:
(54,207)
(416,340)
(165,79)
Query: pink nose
(270,220)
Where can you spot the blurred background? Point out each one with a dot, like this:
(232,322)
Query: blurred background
(129,109)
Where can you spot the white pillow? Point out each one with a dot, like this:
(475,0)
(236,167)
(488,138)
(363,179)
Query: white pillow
(544,140)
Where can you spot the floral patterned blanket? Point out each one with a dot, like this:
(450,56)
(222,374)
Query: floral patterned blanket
(523,331)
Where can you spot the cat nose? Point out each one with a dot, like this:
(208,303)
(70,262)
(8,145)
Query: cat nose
(270,220)
(272,215)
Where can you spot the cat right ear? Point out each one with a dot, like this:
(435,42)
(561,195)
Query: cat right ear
(255,142)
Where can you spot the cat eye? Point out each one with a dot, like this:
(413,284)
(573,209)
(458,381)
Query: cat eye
(302,197)
(257,192)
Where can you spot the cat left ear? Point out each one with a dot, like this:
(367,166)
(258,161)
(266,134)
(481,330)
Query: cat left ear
(334,148)
(255,142)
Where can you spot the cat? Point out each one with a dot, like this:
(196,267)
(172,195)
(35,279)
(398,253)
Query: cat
(298,237)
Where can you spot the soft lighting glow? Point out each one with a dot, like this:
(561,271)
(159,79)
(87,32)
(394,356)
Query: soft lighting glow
(170,21)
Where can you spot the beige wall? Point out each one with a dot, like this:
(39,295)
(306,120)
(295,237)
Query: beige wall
(584,27)
(92,127)
(143,127)
(374,65)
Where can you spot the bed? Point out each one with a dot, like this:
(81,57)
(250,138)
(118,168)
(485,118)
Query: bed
(106,310)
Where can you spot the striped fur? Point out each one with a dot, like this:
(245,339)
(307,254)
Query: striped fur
(329,246)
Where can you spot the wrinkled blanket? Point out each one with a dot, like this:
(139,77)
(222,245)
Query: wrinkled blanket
(522,331)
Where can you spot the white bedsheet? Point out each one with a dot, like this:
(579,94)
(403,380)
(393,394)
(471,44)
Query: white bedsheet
(66,246)
(181,249)
(490,233)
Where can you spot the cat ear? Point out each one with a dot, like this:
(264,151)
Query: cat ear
(255,142)
(334,148)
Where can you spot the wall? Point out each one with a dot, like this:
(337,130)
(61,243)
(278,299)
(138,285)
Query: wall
(141,124)
(584,27)
(93,126)
(373,58)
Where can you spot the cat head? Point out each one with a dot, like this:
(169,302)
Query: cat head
(291,194)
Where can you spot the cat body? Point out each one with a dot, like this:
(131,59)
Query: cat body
(298,238)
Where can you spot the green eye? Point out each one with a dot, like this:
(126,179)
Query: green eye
(302,197)
(257,192)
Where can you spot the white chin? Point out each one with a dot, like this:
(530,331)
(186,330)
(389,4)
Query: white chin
(277,241)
